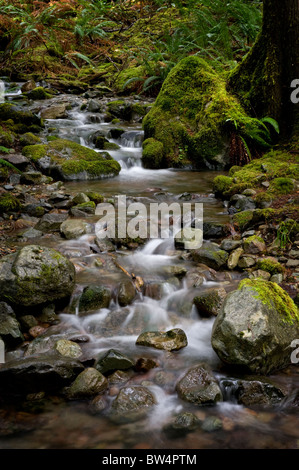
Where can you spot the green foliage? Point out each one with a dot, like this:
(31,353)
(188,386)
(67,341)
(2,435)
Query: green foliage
(285,232)
(6,164)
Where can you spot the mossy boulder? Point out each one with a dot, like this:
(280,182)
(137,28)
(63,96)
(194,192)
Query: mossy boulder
(255,327)
(38,93)
(9,111)
(7,138)
(190,116)
(35,275)
(66,160)
(152,155)
(270,265)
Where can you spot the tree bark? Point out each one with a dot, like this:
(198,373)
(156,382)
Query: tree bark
(263,79)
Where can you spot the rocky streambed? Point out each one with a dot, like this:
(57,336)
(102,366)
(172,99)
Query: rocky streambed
(129,342)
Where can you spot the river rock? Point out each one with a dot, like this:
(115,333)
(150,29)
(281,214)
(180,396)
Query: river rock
(9,326)
(172,340)
(229,245)
(80,198)
(113,360)
(259,391)
(241,202)
(234,258)
(88,383)
(254,245)
(126,293)
(28,86)
(188,238)
(68,348)
(35,373)
(255,327)
(211,255)
(94,297)
(183,423)
(199,386)
(246,262)
(132,403)
(57,111)
(209,302)
(50,222)
(74,228)
(213,230)
(35,275)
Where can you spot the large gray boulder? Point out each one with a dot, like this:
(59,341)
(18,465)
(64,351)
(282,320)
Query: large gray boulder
(255,327)
(35,275)
(210,254)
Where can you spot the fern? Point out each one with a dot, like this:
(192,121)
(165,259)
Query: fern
(9,165)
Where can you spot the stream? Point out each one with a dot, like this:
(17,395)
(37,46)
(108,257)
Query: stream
(166,304)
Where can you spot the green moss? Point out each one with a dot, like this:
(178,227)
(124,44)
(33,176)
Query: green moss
(127,74)
(191,112)
(9,203)
(222,184)
(152,156)
(262,198)
(94,168)
(29,139)
(110,146)
(7,138)
(248,240)
(270,265)
(236,189)
(9,111)
(243,219)
(282,186)
(35,152)
(95,197)
(272,295)
(39,93)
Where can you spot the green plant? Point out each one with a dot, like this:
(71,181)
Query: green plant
(284,232)
(6,164)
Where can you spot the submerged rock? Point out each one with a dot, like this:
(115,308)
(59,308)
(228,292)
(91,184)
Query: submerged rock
(256,326)
(172,340)
(94,297)
(35,275)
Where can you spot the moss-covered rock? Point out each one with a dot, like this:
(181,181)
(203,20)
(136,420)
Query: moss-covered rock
(9,111)
(270,265)
(7,138)
(256,326)
(29,139)
(67,160)
(190,114)
(39,93)
(35,275)
(152,155)
(9,203)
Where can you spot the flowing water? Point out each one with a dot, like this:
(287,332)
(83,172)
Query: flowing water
(165,304)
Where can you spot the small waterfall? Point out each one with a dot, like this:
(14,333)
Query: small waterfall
(132,139)
(2,91)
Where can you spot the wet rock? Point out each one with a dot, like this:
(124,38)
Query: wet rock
(132,403)
(172,340)
(85,207)
(50,222)
(74,228)
(255,327)
(126,293)
(10,331)
(36,331)
(113,360)
(27,322)
(209,302)
(234,258)
(32,233)
(94,297)
(144,364)
(98,404)
(104,245)
(211,255)
(35,275)
(175,270)
(57,111)
(259,391)
(68,348)
(88,383)
(199,386)
(33,177)
(32,374)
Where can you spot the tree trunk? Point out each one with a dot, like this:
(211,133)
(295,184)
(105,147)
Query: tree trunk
(263,79)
